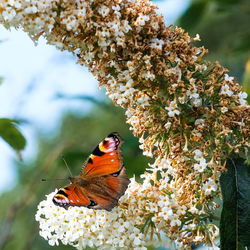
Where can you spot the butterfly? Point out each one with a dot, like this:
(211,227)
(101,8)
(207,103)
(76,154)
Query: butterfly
(102,180)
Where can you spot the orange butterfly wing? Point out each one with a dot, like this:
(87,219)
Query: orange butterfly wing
(105,159)
(102,180)
(71,195)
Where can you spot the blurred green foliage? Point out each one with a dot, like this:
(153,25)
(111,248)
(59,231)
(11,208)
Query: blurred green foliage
(223,26)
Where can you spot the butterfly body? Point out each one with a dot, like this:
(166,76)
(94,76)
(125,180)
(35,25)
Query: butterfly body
(101,182)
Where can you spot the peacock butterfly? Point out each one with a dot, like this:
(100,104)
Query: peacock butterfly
(102,180)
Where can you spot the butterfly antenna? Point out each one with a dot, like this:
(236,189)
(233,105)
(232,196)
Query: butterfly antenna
(43,179)
(67,166)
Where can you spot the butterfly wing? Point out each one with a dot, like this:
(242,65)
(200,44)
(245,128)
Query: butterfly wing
(106,158)
(71,195)
(105,172)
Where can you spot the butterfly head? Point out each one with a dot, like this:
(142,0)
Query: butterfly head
(78,181)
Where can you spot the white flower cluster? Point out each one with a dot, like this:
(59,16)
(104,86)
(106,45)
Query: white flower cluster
(120,228)
(201,165)
(192,94)
(172,109)
(81,227)
(15,11)
(225,90)
(125,93)
(209,186)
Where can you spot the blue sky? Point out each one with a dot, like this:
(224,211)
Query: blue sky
(32,77)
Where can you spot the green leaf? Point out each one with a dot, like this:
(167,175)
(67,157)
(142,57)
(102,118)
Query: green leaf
(235,217)
(11,135)
(193,15)
(1,80)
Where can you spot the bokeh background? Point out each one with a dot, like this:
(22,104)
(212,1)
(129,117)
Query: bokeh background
(61,111)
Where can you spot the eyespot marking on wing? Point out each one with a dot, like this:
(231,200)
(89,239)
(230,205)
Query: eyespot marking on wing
(103,146)
(116,139)
(61,200)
